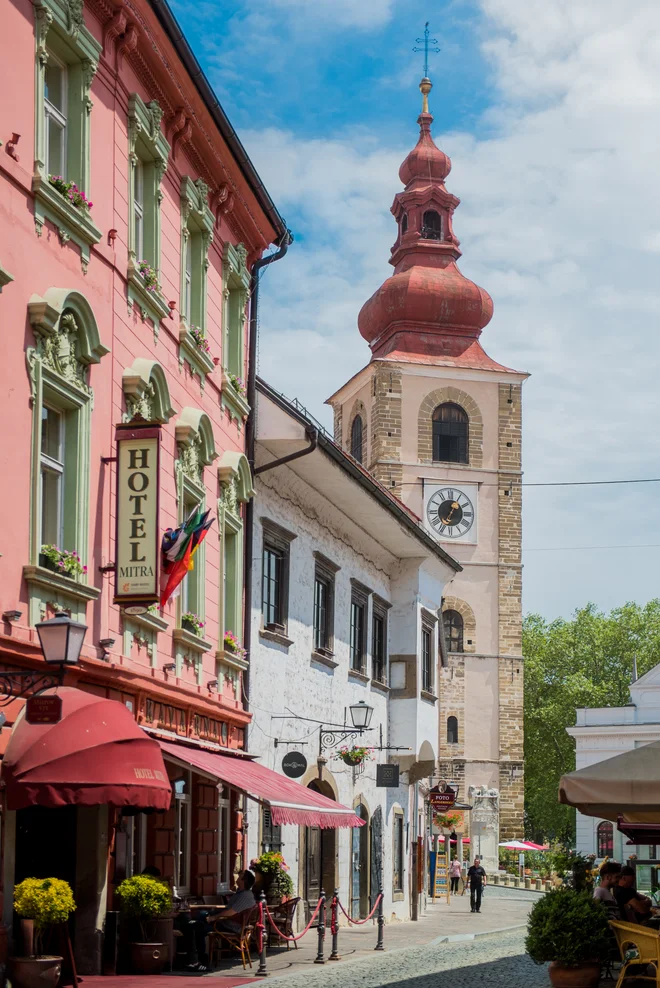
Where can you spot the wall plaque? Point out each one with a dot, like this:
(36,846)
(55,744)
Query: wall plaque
(387,776)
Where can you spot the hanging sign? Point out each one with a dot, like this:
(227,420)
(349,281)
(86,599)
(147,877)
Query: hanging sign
(294,764)
(44,709)
(387,776)
(442,801)
(137,540)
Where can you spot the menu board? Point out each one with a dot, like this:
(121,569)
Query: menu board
(441,876)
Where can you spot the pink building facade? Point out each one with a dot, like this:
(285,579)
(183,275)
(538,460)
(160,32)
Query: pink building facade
(134,307)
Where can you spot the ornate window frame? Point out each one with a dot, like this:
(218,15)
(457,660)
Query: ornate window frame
(236,488)
(235,293)
(60,27)
(196,235)
(146,143)
(146,393)
(67,342)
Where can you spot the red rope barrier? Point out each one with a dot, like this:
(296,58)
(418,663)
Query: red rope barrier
(334,926)
(300,935)
(360,922)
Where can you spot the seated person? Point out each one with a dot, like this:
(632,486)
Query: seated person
(229,920)
(609,879)
(634,907)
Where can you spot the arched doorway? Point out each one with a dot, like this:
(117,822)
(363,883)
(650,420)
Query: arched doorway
(360,865)
(320,855)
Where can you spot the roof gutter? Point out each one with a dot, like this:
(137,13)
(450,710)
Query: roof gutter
(194,69)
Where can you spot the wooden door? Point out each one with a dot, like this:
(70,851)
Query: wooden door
(313,868)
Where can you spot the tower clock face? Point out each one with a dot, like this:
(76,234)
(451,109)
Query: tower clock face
(450,513)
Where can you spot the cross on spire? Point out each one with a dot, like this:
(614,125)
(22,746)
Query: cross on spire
(426,41)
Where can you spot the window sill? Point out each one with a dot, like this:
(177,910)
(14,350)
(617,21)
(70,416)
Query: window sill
(428,697)
(151,621)
(192,642)
(5,277)
(231,399)
(381,687)
(274,636)
(231,659)
(200,363)
(324,659)
(152,305)
(72,224)
(39,576)
(359,676)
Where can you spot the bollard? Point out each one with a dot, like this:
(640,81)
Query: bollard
(261,970)
(321,931)
(334,926)
(381,922)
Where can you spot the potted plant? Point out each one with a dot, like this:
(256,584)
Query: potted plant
(145,899)
(237,384)
(233,645)
(71,192)
(66,562)
(149,276)
(569,928)
(199,339)
(354,755)
(192,623)
(40,902)
(272,876)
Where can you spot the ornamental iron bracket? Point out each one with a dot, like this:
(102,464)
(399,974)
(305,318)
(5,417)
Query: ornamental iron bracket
(331,739)
(16,684)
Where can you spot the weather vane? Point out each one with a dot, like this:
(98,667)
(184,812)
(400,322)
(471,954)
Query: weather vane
(426,41)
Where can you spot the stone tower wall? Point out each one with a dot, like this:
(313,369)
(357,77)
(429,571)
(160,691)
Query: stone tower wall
(384,462)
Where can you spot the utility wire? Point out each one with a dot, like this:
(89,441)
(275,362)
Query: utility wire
(525,483)
(586,548)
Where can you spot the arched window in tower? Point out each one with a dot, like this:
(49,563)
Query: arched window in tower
(432,225)
(404,224)
(452,730)
(452,623)
(605,839)
(356,438)
(450,433)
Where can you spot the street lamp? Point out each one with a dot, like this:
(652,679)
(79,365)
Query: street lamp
(61,640)
(361,715)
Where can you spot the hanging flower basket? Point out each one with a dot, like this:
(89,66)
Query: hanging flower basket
(354,755)
(193,623)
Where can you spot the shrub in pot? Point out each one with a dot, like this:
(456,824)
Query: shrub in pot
(272,876)
(40,902)
(569,929)
(145,899)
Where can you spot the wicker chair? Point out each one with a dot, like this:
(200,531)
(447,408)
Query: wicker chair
(647,943)
(283,916)
(239,941)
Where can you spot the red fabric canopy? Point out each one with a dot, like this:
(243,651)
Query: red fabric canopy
(95,754)
(289,801)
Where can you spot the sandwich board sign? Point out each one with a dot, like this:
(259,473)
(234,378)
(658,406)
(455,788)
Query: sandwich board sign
(441,873)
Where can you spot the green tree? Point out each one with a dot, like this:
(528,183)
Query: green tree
(583,662)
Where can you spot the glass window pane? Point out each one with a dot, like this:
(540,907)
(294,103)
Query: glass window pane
(54,85)
(51,510)
(56,142)
(51,433)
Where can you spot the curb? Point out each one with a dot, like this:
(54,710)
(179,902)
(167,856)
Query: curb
(462,937)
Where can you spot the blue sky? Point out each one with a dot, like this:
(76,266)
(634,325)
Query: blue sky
(549,110)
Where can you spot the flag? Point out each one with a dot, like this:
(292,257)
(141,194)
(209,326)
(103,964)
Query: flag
(178,550)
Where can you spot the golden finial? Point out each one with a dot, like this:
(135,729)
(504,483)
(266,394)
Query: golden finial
(425,88)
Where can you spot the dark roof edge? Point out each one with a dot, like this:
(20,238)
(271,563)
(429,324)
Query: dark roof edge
(388,501)
(185,52)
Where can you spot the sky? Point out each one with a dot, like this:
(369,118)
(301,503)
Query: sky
(550,112)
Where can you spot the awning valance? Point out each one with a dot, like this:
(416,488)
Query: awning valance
(289,801)
(95,754)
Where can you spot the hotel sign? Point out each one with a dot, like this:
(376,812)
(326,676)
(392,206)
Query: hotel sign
(137,541)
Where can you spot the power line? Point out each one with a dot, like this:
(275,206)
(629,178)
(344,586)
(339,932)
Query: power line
(587,548)
(525,483)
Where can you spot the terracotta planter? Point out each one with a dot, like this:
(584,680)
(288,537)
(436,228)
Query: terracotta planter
(147,958)
(34,972)
(585,976)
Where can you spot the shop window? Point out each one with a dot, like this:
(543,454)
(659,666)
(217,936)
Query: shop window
(427,659)
(356,438)
(398,852)
(379,641)
(271,833)
(324,604)
(358,627)
(275,576)
(605,839)
(450,433)
(452,730)
(452,623)
(182,833)
(224,841)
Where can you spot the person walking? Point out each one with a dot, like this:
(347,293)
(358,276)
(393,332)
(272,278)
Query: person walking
(476,880)
(455,874)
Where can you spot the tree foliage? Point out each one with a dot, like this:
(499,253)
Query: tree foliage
(586,661)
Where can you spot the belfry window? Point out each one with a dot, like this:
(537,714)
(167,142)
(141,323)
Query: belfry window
(452,730)
(452,623)
(356,438)
(404,224)
(450,433)
(432,225)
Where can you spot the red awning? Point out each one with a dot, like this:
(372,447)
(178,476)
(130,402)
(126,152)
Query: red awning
(95,754)
(289,801)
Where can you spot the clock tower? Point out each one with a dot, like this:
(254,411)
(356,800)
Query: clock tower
(439,423)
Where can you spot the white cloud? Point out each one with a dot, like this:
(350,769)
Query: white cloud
(560,221)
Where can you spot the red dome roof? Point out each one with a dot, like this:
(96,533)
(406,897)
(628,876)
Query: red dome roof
(426,162)
(425,300)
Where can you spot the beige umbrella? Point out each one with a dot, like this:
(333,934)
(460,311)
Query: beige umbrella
(627,785)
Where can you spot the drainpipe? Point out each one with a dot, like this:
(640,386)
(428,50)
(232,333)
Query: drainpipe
(250,433)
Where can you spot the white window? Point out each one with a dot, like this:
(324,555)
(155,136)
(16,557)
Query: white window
(55,114)
(138,208)
(183,805)
(52,477)
(187,285)
(224,841)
